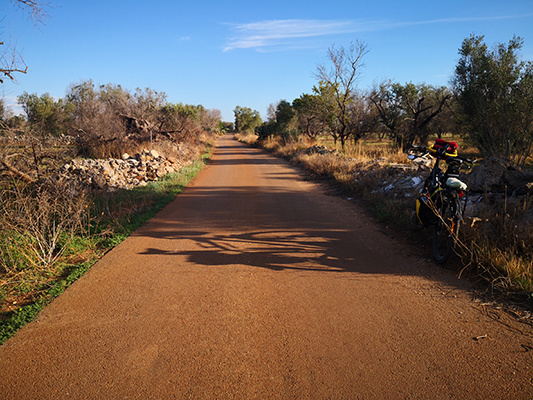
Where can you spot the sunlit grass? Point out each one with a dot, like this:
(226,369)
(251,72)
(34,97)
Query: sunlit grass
(27,283)
(494,248)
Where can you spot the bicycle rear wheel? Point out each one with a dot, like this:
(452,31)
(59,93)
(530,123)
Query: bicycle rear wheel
(445,231)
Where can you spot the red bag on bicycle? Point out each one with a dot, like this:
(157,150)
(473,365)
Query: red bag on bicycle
(440,144)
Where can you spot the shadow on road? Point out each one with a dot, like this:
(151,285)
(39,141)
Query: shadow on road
(271,228)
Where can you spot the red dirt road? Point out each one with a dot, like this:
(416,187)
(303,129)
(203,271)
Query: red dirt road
(254,284)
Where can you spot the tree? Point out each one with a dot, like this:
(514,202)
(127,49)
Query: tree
(309,111)
(3,115)
(281,122)
(45,115)
(363,118)
(389,111)
(180,121)
(10,60)
(338,83)
(409,111)
(494,90)
(420,104)
(246,119)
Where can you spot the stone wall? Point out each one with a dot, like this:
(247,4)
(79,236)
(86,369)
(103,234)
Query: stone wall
(125,173)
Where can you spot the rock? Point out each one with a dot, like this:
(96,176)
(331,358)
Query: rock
(124,173)
(488,176)
(520,181)
(99,182)
(497,175)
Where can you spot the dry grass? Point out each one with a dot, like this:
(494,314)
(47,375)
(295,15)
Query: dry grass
(501,245)
(38,223)
(500,248)
(249,138)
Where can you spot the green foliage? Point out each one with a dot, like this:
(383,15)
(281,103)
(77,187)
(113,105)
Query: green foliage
(226,126)
(494,89)
(311,114)
(328,109)
(246,119)
(109,120)
(46,115)
(410,112)
(283,123)
(285,114)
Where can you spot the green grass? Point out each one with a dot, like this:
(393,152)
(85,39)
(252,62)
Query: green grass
(116,216)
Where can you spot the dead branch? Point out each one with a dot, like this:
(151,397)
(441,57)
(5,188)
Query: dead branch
(25,177)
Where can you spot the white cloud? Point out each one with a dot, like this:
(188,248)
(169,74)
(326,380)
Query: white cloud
(285,32)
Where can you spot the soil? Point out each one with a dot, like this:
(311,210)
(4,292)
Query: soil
(256,284)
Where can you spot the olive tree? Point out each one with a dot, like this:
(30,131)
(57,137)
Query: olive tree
(409,111)
(310,114)
(494,90)
(46,115)
(338,83)
(246,119)
(282,122)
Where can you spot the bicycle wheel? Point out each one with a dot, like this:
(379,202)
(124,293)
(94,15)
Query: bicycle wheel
(445,231)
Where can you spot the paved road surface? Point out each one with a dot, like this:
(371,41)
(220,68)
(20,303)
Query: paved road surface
(254,284)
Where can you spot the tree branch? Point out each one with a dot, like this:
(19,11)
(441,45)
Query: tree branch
(25,177)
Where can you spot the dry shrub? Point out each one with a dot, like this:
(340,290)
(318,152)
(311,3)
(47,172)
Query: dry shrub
(500,243)
(37,223)
(282,147)
(248,138)
(328,165)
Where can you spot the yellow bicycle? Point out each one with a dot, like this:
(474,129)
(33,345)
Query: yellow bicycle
(442,202)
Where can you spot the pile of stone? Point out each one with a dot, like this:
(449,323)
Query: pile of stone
(125,173)
(495,175)
(316,149)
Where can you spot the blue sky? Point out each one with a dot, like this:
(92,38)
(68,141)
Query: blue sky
(247,53)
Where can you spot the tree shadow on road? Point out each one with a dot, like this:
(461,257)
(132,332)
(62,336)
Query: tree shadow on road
(237,226)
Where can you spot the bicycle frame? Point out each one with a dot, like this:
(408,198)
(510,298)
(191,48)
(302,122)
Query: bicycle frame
(445,197)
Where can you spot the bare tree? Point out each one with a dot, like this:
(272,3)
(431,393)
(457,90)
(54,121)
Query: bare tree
(340,79)
(11,61)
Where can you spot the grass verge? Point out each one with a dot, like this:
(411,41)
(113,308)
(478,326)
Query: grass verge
(26,290)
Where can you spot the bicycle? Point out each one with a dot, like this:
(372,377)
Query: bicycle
(442,203)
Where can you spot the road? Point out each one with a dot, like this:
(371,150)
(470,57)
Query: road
(255,284)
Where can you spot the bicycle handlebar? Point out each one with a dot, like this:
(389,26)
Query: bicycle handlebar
(440,152)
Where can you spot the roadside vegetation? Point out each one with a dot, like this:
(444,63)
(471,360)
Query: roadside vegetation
(53,230)
(358,139)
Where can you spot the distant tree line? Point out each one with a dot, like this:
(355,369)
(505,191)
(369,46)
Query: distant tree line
(489,100)
(107,119)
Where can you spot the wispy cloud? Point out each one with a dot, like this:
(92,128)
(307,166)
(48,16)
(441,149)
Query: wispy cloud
(288,33)
(455,20)
(284,32)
